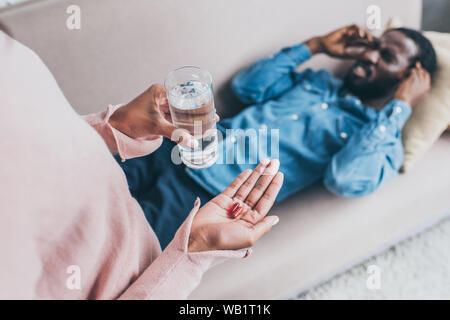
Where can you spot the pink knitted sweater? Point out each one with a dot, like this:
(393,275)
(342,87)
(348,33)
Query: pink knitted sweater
(69,228)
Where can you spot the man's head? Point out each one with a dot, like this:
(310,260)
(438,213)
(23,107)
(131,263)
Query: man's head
(383,65)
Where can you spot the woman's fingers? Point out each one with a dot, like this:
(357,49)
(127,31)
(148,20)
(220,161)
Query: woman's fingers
(268,198)
(181,136)
(238,239)
(238,234)
(248,185)
(234,186)
(156,105)
(257,192)
(261,228)
(161,97)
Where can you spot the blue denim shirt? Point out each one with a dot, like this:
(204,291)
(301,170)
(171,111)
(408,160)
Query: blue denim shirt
(325,134)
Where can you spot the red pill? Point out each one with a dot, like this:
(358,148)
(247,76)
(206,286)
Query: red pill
(233,209)
(238,212)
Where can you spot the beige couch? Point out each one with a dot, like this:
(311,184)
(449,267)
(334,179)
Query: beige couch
(124,45)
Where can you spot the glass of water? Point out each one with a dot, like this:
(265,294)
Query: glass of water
(190,93)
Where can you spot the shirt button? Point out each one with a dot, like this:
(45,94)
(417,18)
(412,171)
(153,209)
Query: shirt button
(324,106)
(344,135)
(398,109)
(382,128)
(308,87)
(233,139)
(263,127)
(294,117)
(358,102)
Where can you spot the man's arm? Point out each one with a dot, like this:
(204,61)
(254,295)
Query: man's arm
(270,77)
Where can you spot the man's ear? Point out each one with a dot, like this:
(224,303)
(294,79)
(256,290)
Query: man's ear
(405,74)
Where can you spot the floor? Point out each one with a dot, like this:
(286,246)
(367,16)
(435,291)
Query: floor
(418,268)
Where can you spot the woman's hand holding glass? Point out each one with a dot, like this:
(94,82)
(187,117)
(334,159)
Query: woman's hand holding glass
(148,117)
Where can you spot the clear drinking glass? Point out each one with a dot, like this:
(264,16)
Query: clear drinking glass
(190,93)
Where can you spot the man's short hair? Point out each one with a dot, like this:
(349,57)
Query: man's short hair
(427,55)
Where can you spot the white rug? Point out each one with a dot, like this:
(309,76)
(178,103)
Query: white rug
(418,268)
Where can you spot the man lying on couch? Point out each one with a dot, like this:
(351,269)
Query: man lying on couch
(343,132)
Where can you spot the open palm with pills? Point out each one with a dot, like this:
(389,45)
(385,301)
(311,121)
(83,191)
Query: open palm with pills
(214,228)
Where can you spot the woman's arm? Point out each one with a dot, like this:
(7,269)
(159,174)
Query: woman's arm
(136,128)
(118,142)
(210,235)
(177,272)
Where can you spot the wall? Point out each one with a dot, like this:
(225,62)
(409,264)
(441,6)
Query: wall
(436,15)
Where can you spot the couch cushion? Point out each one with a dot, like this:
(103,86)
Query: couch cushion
(431,117)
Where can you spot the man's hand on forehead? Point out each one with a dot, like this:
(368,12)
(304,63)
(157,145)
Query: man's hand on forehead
(356,34)
(346,42)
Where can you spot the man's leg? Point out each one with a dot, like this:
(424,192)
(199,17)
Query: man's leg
(164,190)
